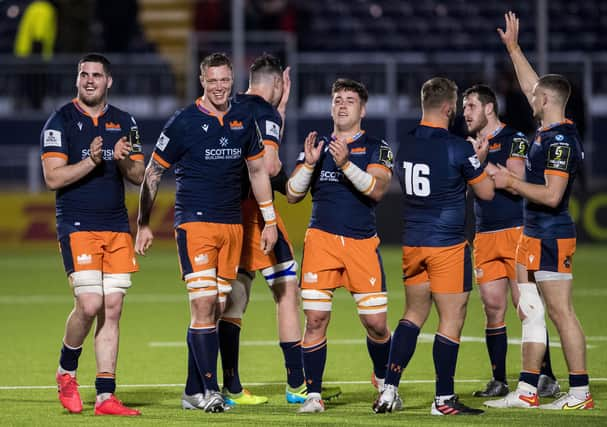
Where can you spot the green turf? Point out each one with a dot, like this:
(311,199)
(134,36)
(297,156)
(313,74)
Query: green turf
(35,300)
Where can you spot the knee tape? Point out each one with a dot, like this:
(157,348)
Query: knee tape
(224,287)
(202,283)
(371,303)
(319,300)
(116,283)
(546,276)
(280,273)
(530,304)
(239,297)
(87,281)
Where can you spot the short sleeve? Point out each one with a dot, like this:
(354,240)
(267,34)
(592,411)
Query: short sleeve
(254,147)
(519,146)
(53,140)
(558,155)
(382,157)
(170,145)
(269,124)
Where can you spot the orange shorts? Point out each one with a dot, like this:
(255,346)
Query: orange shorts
(495,254)
(555,255)
(205,245)
(447,268)
(331,261)
(252,257)
(107,251)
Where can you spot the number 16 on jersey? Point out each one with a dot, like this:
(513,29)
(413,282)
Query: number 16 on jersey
(416,181)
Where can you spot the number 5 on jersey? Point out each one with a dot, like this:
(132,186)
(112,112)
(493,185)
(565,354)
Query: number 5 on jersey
(416,181)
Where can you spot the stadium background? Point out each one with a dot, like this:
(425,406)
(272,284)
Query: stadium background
(155,47)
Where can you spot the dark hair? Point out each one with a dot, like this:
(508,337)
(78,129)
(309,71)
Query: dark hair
(557,83)
(97,57)
(265,64)
(351,85)
(215,60)
(485,95)
(436,91)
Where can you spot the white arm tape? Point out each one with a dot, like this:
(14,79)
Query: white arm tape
(300,181)
(268,212)
(362,181)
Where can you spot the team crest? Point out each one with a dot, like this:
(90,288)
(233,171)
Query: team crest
(112,127)
(236,125)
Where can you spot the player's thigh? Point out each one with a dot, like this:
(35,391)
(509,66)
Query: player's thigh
(449,269)
(494,255)
(321,261)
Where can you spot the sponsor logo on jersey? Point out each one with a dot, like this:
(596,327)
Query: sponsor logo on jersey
(223,153)
(372,280)
(474,161)
(205,127)
(358,151)
(162,142)
(107,153)
(79,124)
(112,127)
(236,125)
(272,129)
(84,259)
(52,138)
(310,277)
(386,157)
(201,259)
(330,176)
(558,156)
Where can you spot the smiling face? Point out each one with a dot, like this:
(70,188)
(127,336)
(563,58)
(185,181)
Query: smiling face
(474,114)
(217,84)
(347,110)
(92,84)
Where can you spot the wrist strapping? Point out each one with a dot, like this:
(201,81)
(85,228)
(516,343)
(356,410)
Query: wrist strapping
(268,212)
(300,181)
(362,181)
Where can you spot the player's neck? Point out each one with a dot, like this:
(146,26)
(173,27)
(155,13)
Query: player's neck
(346,133)
(259,91)
(493,124)
(551,117)
(92,110)
(436,119)
(214,108)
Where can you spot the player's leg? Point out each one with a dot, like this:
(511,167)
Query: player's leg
(450,273)
(83,262)
(118,264)
(555,281)
(418,302)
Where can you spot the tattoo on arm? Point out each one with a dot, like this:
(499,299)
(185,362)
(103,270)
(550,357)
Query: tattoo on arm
(149,190)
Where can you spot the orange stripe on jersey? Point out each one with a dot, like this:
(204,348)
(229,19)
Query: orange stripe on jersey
(555,172)
(478,178)
(257,156)
(161,161)
(54,154)
(431,125)
(377,165)
(136,157)
(270,143)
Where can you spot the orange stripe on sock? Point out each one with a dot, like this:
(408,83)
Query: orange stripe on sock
(495,325)
(455,340)
(202,325)
(578,372)
(314,343)
(381,340)
(233,320)
(105,375)
(531,371)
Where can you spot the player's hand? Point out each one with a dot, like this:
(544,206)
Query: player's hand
(312,150)
(144,239)
(122,148)
(286,91)
(510,36)
(502,177)
(96,151)
(339,150)
(480,145)
(269,235)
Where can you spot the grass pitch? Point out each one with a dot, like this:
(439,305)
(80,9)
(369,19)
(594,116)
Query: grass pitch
(35,300)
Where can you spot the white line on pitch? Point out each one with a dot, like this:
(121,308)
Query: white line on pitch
(259,384)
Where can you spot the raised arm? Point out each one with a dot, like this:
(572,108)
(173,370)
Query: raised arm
(526,75)
(298,184)
(147,196)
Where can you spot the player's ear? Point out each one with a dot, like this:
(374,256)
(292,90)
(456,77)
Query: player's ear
(109,82)
(363,110)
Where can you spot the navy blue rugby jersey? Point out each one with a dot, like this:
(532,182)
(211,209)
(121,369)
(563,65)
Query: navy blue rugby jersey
(268,123)
(556,150)
(337,206)
(95,202)
(209,153)
(434,167)
(506,209)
